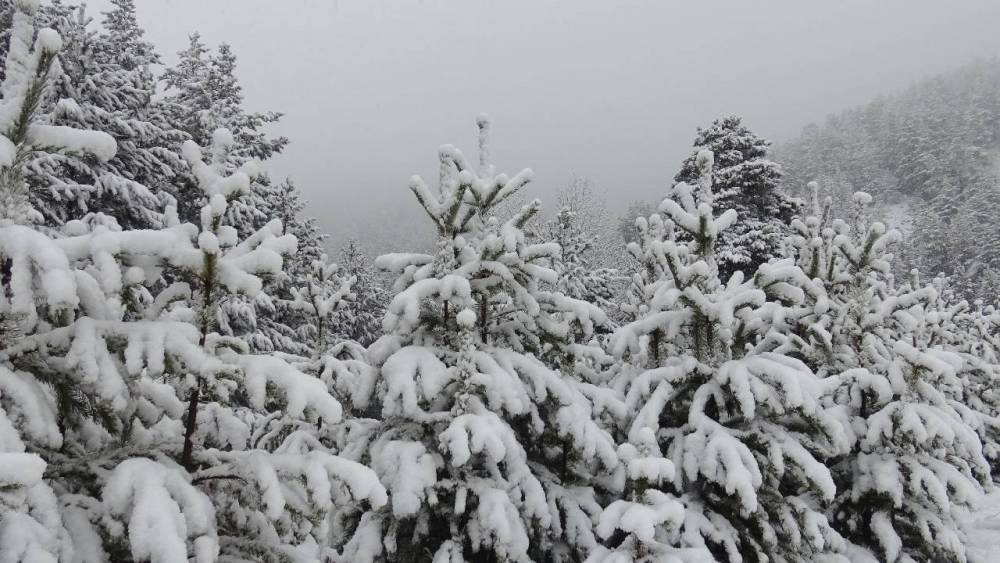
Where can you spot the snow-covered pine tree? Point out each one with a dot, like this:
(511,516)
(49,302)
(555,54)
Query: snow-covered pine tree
(199,101)
(273,320)
(252,319)
(204,93)
(578,278)
(971,331)
(30,63)
(587,200)
(577,274)
(121,25)
(104,83)
(916,459)
(195,447)
(279,322)
(746,181)
(92,418)
(363,319)
(322,302)
(744,434)
(279,446)
(30,514)
(289,206)
(488,454)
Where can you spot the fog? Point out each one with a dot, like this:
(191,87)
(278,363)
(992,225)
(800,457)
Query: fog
(608,90)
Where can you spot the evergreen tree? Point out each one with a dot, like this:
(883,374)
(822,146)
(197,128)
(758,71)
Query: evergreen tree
(289,206)
(587,201)
(323,300)
(916,460)
(577,275)
(193,447)
(626,223)
(28,69)
(105,83)
(100,458)
(121,26)
(746,181)
(488,454)
(363,321)
(204,94)
(275,320)
(743,433)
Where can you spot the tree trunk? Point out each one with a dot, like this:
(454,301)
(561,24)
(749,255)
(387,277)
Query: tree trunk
(484,311)
(189,425)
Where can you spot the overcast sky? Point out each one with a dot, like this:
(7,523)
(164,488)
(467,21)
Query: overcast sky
(611,90)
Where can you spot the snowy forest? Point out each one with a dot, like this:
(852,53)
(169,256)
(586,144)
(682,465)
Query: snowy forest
(793,356)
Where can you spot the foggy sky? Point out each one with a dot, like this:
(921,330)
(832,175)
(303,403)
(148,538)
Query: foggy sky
(611,90)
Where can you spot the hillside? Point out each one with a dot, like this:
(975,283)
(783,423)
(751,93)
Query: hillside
(928,153)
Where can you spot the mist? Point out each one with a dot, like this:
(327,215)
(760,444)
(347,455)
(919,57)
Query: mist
(610,91)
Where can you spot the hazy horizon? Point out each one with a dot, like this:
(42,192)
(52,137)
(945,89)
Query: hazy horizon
(608,91)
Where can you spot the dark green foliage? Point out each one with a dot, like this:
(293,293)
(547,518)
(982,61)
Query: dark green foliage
(747,181)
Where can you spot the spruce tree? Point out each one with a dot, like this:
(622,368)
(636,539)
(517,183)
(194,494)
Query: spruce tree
(105,83)
(129,428)
(322,301)
(747,181)
(160,438)
(578,275)
(916,459)
(363,321)
(203,94)
(487,453)
(744,433)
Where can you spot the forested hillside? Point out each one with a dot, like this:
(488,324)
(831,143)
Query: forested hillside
(733,375)
(930,155)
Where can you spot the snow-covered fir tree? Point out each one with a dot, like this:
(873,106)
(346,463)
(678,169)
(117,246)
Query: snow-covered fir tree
(488,454)
(970,331)
(916,460)
(363,319)
(204,94)
(727,445)
(747,181)
(104,82)
(289,206)
(588,201)
(323,301)
(129,428)
(577,274)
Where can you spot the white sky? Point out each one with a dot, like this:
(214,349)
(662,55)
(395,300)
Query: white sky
(607,89)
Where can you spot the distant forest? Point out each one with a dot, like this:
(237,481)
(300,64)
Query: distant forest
(929,155)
